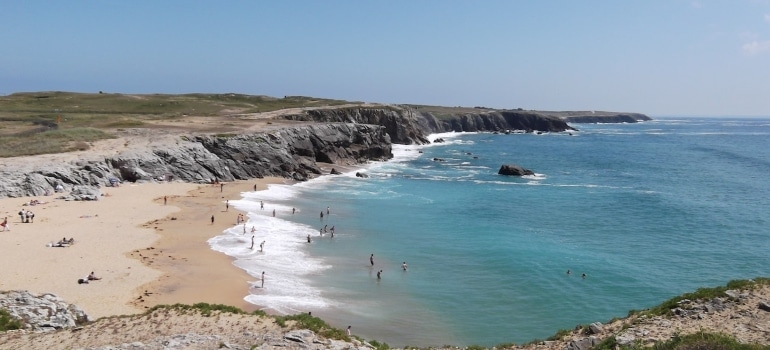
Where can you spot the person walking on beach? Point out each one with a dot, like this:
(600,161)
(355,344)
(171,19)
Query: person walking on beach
(379,274)
(261,205)
(212,219)
(165,200)
(293,210)
(327,210)
(253,229)
(4,224)
(252,242)
(255,187)
(347,331)
(371,259)
(261,245)
(273,212)
(308,238)
(227,205)
(221,187)
(263,279)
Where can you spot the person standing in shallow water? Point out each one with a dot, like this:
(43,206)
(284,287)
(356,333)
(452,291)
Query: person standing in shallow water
(371,259)
(403,266)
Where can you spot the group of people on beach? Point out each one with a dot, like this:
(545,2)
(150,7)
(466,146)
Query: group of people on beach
(26,216)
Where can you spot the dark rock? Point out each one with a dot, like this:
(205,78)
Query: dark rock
(362,175)
(335,172)
(765,306)
(514,170)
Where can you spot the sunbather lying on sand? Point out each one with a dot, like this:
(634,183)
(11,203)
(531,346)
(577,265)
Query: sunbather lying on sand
(64,242)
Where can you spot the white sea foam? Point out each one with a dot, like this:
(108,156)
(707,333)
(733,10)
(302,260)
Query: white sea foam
(283,258)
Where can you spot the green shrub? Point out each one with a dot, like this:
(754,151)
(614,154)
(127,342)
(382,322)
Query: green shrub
(7,322)
(314,324)
(706,341)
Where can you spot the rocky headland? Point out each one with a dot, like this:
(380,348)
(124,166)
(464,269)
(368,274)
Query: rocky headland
(291,143)
(47,322)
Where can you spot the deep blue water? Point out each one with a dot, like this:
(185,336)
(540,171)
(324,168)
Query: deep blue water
(647,211)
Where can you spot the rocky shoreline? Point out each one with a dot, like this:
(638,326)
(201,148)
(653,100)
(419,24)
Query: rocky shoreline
(343,135)
(49,322)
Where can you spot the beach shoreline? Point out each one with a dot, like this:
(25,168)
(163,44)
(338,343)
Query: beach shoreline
(191,271)
(145,251)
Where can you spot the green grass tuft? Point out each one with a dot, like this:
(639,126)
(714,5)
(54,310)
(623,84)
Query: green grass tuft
(7,322)
(706,341)
(315,324)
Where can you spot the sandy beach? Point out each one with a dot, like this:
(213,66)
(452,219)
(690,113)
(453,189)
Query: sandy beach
(145,252)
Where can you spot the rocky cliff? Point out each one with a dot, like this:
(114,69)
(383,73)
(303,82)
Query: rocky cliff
(289,152)
(407,125)
(343,135)
(598,117)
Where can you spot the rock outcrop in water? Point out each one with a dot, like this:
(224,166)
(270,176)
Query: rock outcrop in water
(514,170)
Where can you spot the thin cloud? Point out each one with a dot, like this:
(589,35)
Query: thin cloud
(756,47)
(767,17)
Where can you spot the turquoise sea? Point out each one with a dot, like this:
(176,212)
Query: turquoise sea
(647,211)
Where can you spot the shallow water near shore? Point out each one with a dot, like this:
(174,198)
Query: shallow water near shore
(647,211)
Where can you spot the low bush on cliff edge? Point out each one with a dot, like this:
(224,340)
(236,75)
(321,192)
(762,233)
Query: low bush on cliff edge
(7,322)
(695,341)
(705,294)
(205,309)
(315,324)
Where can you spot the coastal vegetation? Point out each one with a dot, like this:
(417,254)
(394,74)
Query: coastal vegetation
(7,322)
(55,122)
(664,309)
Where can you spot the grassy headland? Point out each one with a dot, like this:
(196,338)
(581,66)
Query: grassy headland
(54,122)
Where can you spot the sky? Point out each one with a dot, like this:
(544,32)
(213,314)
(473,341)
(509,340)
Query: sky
(658,57)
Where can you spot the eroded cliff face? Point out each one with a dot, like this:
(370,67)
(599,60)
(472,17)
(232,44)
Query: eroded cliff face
(345,135)
(402,125)
(501,121)
(408,126)
(291,153)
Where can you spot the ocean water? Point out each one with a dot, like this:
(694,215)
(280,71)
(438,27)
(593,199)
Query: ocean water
(647,211)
